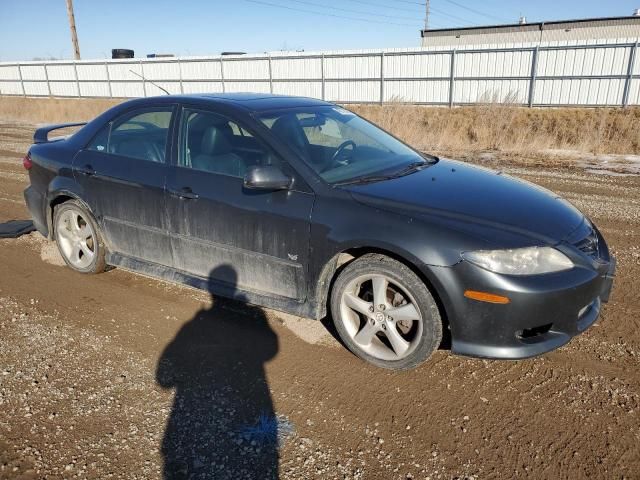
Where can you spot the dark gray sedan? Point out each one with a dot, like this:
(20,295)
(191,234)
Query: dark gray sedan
(313,210)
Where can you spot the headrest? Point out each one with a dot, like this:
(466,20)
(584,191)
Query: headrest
(215,141)
(287,127)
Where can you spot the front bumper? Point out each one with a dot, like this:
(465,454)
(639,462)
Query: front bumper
(544,313)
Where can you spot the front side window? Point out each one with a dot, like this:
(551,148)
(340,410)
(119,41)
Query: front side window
(213,143)
(339,145)
(140,134)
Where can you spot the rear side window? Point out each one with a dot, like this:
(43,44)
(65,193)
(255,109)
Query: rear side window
(141,134)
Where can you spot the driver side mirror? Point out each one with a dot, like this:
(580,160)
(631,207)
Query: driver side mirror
(268,177)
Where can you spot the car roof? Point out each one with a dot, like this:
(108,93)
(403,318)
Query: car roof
(249,102)
(254,102)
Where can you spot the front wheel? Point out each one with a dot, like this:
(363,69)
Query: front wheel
(384,313)
(78,238)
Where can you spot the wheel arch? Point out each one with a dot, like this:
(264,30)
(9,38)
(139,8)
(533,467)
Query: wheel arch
(57,198)
(71,201)
(332,269)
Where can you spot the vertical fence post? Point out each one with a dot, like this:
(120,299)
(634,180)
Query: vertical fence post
(106,69)
(222,75)
(382,78)
(270,76)
(180,75)
(452,77)
(46,77)
(632,66)
(75,71)
(322,75)
(144,82)
(534,75)
(24,92)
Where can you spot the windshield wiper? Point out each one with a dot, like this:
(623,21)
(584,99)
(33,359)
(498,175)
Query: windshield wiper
(412,167)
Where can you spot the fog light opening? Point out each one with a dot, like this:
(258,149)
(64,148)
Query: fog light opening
(529,333)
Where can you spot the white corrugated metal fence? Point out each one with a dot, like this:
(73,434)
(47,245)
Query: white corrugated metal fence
(550,75)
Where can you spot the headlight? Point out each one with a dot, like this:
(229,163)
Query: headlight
(520,261)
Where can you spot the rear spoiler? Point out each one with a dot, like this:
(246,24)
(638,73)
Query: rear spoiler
(42,133)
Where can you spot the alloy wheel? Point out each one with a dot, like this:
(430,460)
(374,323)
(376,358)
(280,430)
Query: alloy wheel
(76,238)
(381,317)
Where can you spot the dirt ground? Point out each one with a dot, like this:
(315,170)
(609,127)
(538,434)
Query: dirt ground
(122,376)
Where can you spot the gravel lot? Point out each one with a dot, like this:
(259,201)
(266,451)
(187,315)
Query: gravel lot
(122,376)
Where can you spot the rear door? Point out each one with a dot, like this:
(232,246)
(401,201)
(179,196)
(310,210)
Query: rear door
(123,171)
(214,220)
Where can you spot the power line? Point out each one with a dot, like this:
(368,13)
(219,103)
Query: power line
(367,20)
(404,9)
(392,7)
(477,12)
(460,5)
(360,12)
(432,11)
(411,2)
(454,17)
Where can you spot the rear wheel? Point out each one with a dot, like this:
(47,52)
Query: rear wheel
(78,238)
(384,313)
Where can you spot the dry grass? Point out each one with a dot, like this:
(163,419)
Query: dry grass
(507,128)
(491,127)
(53,110)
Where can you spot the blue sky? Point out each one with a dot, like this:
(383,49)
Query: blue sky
(39,28)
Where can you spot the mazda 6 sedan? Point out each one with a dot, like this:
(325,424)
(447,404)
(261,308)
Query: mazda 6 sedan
(302,206)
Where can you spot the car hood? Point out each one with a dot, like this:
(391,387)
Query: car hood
(473,194)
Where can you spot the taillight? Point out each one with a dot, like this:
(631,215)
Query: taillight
(27,163)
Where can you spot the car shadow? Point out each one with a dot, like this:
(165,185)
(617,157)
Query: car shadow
(222,423)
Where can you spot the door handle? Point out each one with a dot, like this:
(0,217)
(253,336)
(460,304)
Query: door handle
(87,170)
(184,192)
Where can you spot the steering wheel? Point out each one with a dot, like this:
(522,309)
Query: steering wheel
(340,151)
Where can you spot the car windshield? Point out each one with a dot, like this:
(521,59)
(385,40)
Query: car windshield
(341,146)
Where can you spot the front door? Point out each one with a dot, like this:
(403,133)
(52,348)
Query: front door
(260,237)
(123,172)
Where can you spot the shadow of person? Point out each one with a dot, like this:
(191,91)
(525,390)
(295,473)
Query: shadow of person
(222,424)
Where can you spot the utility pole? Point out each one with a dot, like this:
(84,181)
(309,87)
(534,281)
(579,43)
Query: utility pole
(426,14)
(74,34)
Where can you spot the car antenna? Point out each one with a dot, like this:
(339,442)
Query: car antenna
(152,83)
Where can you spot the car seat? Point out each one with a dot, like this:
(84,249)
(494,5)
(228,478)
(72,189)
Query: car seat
(216,153)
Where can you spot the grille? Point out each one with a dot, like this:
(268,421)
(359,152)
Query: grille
(589,244)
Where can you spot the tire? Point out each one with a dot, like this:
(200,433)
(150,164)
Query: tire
(78,238)
(366,324)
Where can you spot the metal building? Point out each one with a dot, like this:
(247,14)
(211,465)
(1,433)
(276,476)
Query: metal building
(556,32)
